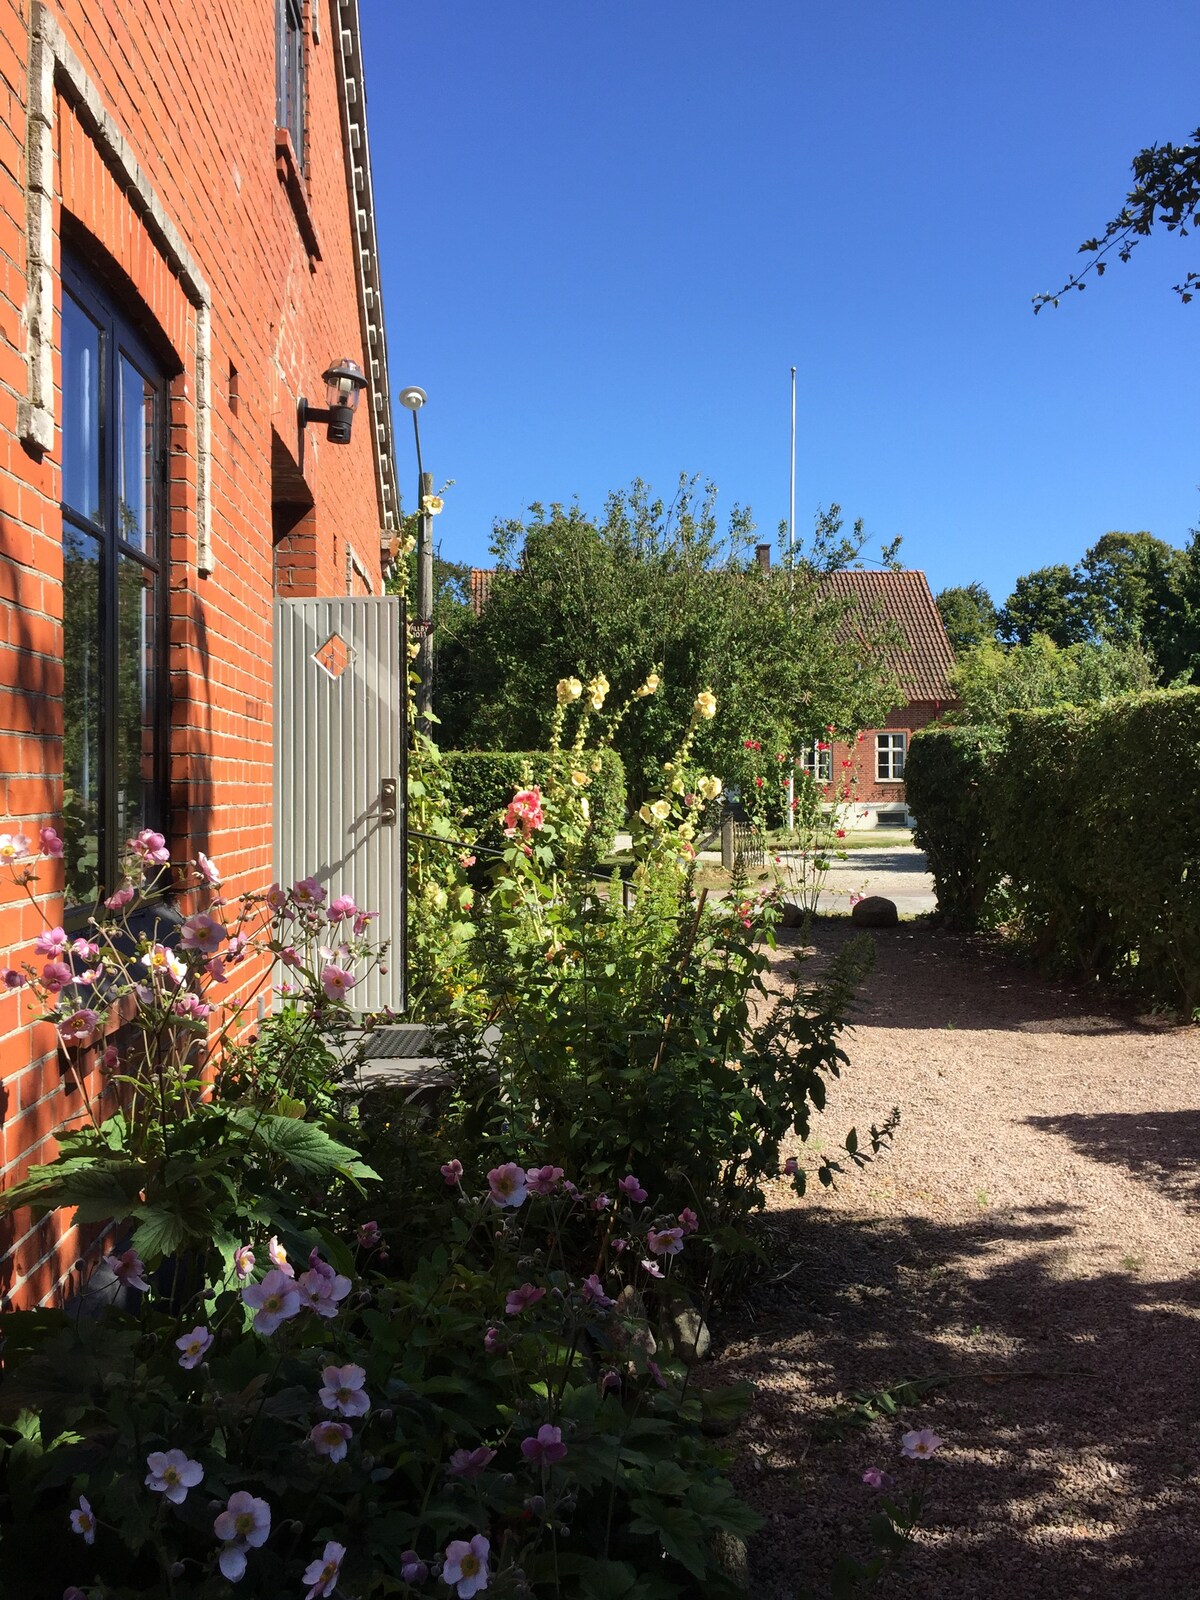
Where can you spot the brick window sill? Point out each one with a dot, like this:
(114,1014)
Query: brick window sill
(292,179)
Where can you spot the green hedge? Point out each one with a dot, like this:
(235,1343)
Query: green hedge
(947,780)
(482,782)
(1083,823)
(1098,836)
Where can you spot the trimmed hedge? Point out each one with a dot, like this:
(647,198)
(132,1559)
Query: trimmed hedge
(1098,836)
(482,782)
(947,780)
(1084,824)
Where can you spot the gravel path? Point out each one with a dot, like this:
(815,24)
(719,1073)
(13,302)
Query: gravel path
(897,871)
(1033,1239)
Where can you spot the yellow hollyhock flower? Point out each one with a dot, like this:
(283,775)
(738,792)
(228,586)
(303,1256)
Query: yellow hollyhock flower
(568,689)
(705,705)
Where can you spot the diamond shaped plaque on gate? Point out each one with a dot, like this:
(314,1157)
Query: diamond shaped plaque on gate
(335,655)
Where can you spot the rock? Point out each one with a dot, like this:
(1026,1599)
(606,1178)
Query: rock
(690,1338)
(732,1558)
(791,915)
(875,912)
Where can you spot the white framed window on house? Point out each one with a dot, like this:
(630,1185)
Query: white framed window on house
(890,750)
(817,760)
(289,72)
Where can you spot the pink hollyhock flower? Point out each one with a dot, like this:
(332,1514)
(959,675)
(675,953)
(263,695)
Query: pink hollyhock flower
(331,1439)
(343,1391)
(308,892)
(192,1007)
(129,1270)
(336,982)
(791,1166)
(688,1220)
(920,1444)
(237,947)
(202,932)
(13,979)
(841,833)
(620,1244)
(368,1235)
(276,898)
(652,1268)
(172,1474)
(665,1241)
(600,1203)
(273,1301)
(83,1521)
(466,1566)
(56,975)
(290,956)
(524,814)
(610,1378)
(545,1448)
(150,847)
(51,942)
(111,1058)
(243,1261)
(492,1341)
(323,1572)
(452,1171)
(362,921)
(632,1190)
(412,1568)
(323,1291)
(51,844)
(207,869)
(79,1028)
(521,1299)
(195,1346)
(342,907)
(215,968)
(119,898)
(593,1292)
(874,1478)
(655,1371)
(13,846)
(543,1180)
(470,1463)
(279,1257)
(506,1185)
(85,950)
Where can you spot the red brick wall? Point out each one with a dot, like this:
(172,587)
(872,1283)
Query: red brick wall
(191,88)
(858,761)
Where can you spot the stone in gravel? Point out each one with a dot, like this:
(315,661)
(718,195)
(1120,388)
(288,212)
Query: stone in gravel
(875,912)
(790,916)
(690,1338)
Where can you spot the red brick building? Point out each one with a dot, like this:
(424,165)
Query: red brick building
(187,243)
(921,659)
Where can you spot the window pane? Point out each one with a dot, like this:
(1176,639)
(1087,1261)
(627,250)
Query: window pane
(82,349)
(135,464)
(137,609)
(82,701)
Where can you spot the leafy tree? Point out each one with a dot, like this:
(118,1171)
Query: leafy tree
(990,680)
(1166,190)
(1049,601)
(655,585)
(969,615)
(1174,628)
(1127,578)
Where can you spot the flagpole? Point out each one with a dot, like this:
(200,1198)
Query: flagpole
(791,783)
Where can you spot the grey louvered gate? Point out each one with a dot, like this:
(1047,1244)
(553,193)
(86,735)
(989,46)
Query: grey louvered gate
(340,669)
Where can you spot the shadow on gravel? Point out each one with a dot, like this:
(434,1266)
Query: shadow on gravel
(929,977)
(1070,1410)
(1162,1148)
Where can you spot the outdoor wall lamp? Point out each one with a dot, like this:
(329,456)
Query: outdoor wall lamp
(345,381)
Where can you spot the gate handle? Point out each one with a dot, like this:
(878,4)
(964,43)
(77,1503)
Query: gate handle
(388,794)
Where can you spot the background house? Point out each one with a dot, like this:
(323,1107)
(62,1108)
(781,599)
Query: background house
(921,659)
(187,242)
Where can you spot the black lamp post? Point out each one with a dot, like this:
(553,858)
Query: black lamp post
(345,381)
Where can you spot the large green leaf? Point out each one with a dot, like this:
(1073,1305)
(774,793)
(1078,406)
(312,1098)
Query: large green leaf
(303,1145)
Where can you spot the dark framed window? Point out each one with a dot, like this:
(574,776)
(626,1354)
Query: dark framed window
(289,72)
(115,685)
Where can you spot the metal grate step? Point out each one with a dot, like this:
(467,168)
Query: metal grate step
(405,1042)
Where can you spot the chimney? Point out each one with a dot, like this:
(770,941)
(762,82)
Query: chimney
(762,554)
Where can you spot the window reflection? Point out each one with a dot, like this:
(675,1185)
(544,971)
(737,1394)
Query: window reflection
(135,465)
(82,701)
(82,350)
(136,629)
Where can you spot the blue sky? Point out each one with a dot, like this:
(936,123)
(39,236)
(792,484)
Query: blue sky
(608,231)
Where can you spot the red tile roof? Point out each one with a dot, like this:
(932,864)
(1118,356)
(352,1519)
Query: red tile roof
(923,663)
(904,598)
